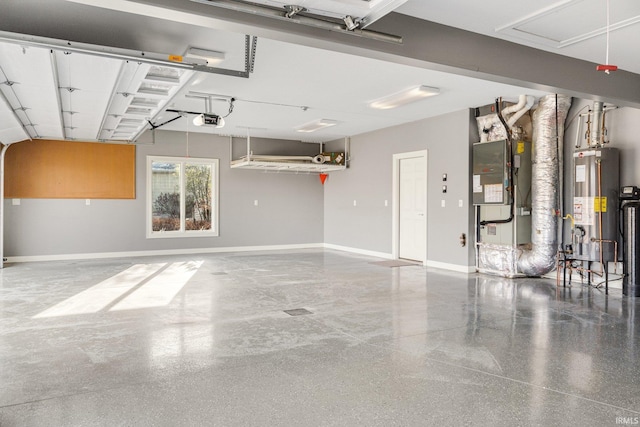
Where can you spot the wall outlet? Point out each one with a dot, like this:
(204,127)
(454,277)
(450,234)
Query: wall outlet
(355,203)
(255,203)
(87,202)
(15,202)
(460,203)
(386,203)
(443,203)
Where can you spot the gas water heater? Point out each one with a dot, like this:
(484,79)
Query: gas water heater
(596,187)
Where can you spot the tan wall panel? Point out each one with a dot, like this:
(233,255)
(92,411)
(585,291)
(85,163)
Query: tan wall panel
(70,170)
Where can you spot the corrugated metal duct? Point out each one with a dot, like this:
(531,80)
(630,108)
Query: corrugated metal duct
(548,131)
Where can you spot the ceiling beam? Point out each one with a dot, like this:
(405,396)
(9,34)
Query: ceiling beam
(147,24)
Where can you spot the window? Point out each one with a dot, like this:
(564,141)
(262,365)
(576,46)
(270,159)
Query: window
(182,197)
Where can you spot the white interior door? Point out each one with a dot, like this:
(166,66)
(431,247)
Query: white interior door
(412,208)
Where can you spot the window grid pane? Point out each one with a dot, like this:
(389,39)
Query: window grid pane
(182,197)
(198,200)
(165,188)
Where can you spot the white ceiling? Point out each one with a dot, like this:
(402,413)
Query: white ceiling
(333,86)
(287,77)
(574,28)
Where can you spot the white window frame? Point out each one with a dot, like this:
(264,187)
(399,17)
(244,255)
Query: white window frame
(215,196)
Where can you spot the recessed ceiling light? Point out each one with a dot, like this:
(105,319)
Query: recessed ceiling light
(316,125)
(404,97)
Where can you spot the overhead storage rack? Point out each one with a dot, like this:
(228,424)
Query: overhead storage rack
(321,163)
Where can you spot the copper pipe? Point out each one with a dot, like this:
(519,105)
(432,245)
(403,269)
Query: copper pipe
(615,251)
(597,273)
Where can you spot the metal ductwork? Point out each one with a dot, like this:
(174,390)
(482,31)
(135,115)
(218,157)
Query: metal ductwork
(548,132)
(539,256)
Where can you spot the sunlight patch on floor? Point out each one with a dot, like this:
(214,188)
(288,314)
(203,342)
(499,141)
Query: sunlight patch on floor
(158,290)
(161,289)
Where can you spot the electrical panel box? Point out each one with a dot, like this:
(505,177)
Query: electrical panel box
(518,230)
(490,173)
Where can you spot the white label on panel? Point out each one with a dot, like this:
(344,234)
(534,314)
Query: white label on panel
(583,212)
(477,187)
(493,193)
(581,173)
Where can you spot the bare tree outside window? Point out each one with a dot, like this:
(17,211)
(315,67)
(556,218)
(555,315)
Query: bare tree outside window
(182,196)
(198,196)
(166,196)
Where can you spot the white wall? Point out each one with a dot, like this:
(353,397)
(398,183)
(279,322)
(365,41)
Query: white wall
(368,226)
(289,211)
(623,125)
(297,209)
(624,133)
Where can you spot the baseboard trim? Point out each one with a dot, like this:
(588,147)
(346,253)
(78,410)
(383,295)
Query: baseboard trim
(99,255)
(433,264)
(358,251)
(195,251)
(468,269)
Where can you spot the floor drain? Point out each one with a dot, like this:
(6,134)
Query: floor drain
(298,312)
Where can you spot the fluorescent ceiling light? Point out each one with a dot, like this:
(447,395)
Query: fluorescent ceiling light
(405,97)
(316,125)
(213,57)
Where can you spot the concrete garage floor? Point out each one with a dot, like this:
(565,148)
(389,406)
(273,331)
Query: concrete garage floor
(204,340)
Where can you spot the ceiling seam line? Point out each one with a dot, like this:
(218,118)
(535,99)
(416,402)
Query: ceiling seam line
(56,83)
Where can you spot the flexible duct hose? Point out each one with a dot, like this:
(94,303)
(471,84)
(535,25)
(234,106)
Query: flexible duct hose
(548,124)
